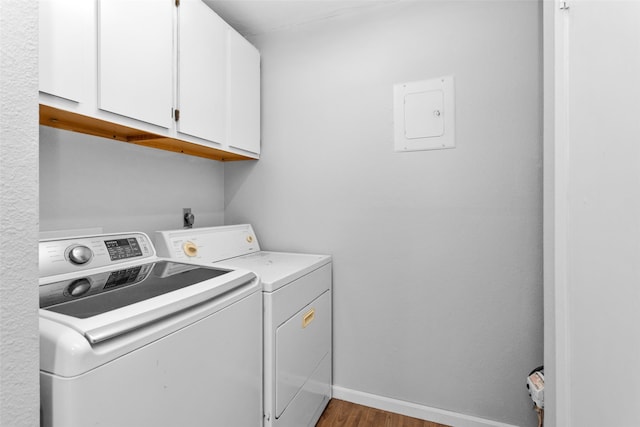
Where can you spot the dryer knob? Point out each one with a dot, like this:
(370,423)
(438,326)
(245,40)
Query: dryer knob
(80,255)
(190,249)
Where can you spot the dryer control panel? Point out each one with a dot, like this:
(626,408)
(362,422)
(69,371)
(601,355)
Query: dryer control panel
(60,256)
(207,244)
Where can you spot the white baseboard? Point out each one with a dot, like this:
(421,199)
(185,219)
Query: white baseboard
(414,410)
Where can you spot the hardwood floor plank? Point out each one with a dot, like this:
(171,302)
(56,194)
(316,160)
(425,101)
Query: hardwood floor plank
(340,413)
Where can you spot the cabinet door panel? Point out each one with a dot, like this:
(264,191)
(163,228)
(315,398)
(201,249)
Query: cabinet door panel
(67,27)
(135,59)
(201,71)
(243,107)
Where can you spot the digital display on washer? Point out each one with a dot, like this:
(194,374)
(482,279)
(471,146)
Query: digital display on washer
(99,293)
(123,248)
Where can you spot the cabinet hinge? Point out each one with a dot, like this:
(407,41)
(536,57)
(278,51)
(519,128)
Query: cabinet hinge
(563,5)
(176,114)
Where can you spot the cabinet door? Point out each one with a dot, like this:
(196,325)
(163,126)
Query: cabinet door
(202,56)
(66,29)
(243,99)
(135,51)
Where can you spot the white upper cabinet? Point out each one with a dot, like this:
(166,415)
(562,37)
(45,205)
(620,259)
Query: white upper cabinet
(67,28)
(135,58)
(202,72)
(243,98)
(165,74)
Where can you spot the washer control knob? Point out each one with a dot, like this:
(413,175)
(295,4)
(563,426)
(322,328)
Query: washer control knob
(190,249)
(79,287)
(80,255)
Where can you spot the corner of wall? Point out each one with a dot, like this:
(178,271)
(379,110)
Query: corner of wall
(19,213)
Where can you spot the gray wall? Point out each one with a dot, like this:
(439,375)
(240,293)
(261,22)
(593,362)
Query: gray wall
(87,181)
(18,213)
(438,254)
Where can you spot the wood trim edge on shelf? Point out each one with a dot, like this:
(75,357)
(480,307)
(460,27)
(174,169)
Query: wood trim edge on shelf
(67,120)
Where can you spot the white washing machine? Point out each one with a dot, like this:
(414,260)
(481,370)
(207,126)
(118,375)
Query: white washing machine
(296,291)
(128,339)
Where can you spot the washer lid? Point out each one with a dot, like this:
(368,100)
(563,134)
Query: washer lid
(118,302)
(276,269)
(71,346)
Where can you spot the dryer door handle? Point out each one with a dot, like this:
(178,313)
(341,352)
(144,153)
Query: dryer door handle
(308,317)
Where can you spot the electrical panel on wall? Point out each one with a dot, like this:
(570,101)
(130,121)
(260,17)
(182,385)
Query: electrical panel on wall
(424,115)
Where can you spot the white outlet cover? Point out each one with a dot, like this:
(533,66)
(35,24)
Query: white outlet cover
(424,115)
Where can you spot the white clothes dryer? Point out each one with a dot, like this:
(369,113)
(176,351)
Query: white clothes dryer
(297,293)
(128,339)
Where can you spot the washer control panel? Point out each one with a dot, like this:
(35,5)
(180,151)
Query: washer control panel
(123,248)
(59,256)
(80,254)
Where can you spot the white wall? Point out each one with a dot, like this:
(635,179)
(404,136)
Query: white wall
(18,214)
(86,181)
(438,254)
(598,176)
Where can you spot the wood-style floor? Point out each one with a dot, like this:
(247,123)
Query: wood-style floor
(346,414)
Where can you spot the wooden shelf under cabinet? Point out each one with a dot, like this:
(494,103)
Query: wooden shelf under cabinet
(61,119)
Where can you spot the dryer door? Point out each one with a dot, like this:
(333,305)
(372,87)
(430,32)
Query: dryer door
(301,344)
